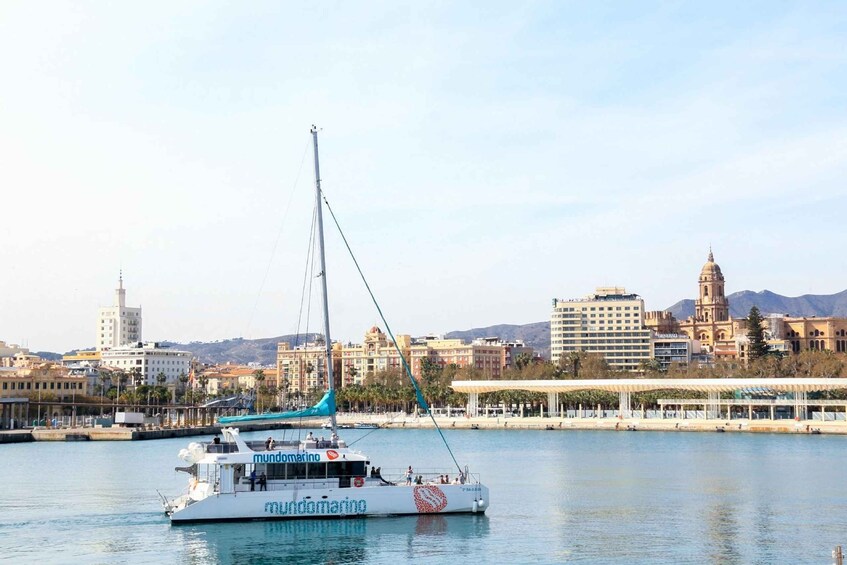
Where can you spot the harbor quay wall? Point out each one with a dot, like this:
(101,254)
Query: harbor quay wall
(116,433)
(17,436)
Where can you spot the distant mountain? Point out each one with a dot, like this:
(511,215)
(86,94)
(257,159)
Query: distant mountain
(771,303)
(263,350)
(48,355)
(239,350)
(535,335)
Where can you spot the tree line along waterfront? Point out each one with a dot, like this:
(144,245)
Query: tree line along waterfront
(390,390)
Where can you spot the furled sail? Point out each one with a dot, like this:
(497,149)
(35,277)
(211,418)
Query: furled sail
(326,407)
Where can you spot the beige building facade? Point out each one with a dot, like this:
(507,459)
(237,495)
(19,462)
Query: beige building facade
(301,368)
(43,379)
(377,353)
(726,337)
(490,358)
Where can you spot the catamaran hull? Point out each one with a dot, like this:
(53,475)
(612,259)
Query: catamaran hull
(334,503)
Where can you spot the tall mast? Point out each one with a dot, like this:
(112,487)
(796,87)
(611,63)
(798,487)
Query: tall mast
(328,341)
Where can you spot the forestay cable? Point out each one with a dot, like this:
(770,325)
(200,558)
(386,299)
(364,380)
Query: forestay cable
(421,401)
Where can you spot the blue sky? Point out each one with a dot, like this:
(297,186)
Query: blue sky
(483,158)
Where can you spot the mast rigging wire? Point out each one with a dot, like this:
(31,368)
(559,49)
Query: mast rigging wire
(421,401)
(276,242)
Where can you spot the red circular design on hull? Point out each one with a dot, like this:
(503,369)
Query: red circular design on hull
(430,498)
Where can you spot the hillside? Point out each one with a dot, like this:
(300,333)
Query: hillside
(263,350)
(535,335)
(771,303)
(239,350)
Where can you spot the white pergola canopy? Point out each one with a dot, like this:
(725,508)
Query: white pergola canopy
(643,385)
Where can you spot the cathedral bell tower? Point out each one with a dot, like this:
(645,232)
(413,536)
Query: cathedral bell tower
(711,305)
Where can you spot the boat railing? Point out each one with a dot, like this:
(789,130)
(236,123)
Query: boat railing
(428,477)
(221,447)
(288,444)
(262,445)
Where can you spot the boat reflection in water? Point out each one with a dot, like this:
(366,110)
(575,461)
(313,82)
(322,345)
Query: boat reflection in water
(330,541)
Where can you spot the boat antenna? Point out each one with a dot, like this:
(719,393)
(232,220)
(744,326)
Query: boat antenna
(322,275)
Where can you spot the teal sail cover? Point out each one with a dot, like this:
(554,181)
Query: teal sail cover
(326,407)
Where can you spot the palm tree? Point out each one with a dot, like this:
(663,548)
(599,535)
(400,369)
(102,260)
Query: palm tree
(522,360)
(103,376)
(203,380)
(352,371)
(286,385)
(123,378)
(309,370)
(136,376)
(258,386)
(183,381)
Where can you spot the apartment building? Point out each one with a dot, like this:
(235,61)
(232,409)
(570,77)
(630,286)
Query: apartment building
(609,323)
(149,359)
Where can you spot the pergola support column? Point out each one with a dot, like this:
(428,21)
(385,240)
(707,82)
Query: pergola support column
(624,406)
(713,407)
(473,403)
(553,404)
(801,405)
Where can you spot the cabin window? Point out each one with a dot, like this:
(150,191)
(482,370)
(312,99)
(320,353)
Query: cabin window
(346,469)
(316,470)
(296,471)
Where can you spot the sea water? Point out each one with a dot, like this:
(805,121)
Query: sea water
(556,497)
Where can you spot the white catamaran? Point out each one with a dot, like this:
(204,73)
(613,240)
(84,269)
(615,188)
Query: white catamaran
(234,479)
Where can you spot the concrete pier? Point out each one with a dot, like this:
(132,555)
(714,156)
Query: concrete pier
(117,433)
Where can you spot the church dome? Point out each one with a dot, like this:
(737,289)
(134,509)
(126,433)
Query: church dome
(711,269)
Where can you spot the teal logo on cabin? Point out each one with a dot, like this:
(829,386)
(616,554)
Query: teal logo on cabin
(280,457)
(317,507)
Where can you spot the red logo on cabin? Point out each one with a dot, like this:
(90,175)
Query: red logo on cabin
(429,499)
(331,454)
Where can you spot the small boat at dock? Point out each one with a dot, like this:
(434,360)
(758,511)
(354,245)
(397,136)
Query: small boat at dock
(365,426)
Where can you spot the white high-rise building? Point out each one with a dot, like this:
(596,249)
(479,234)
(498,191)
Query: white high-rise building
(148,361)
(118,325)
(609,322)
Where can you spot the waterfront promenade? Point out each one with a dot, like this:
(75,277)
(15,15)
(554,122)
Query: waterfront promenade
(623,424)
(481,423)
